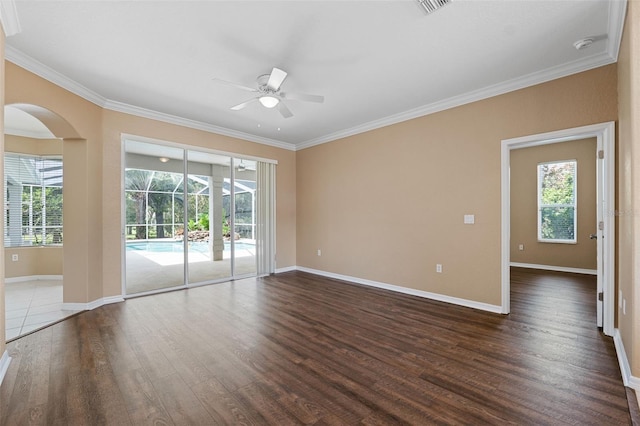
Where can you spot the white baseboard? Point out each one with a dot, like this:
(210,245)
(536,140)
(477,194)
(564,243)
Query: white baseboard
(555,268)
(286,269)
(425,294)
(5,360)
(627,378)
(92,305)
(33,278)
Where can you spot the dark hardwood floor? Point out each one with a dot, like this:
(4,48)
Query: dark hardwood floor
(296,348)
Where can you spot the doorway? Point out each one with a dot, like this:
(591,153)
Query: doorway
(33,224)
(191,217)
(605,221)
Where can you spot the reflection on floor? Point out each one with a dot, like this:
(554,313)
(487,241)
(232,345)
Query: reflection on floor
(30,305)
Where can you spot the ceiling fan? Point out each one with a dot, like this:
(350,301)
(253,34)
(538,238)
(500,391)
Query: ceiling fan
(269,94)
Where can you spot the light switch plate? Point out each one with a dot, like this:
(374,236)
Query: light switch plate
(469,219)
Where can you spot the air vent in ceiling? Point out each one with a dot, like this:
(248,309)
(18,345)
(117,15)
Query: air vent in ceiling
(431,6)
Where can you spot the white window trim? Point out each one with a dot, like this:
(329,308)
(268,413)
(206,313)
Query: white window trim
(574,205)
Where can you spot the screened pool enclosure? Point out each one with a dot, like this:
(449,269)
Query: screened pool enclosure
(193,217)
(32,200)
(155,204)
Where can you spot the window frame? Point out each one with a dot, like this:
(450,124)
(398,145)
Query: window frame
(25,238)
(541,206)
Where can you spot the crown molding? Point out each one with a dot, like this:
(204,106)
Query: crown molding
(15,56)
(466,98)
(38,68)
(617,13)
(28,133)
(193,124)
(9,18)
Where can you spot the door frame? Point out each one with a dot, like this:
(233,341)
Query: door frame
(605,136)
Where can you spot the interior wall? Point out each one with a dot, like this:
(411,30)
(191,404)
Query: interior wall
(116,123)
(629,186)
(33,261)
(43,147)
(2,103)
(388,205)
(523,173)
(98,255)
(82,172)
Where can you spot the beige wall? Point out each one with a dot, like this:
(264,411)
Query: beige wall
(388,205)
(117,123)
(82,172)
(2,86)
(629,185)
(524,205)
(33,261)
(93,253)
(21,144)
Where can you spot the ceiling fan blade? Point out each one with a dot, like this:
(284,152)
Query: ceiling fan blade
(276,78)
(243,105)
(303,97)
(286,112)
(236,85)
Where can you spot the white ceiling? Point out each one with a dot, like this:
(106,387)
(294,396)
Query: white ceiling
(376,62)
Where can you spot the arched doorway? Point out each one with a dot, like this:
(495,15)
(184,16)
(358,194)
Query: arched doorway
(33,227)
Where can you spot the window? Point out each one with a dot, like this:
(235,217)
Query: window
(557,207)
(32,200)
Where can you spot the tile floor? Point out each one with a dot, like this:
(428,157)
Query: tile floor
(31,305)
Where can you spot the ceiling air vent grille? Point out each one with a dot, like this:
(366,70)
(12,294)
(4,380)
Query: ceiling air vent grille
(431,6)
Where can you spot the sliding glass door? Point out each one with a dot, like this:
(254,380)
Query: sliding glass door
(243,243)
(154,193)
(209,256)
(191,217)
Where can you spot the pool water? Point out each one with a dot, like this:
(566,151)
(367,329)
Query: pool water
(178,246)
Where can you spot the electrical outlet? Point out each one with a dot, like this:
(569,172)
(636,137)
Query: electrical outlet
(319,252)
(14,257)
(439,268)
(521,247)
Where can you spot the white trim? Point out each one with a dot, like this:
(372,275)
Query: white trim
(33,134)
(92,305)
(617,11)
(12,54)
(405,290)
(9,18)
(5,360)
(33,278)
(15,56)
(137,138)
(605,134)
(627,378)
(286,269)
(467,98)
(193,124)
(555,268)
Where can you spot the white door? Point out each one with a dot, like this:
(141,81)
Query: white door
(598,235)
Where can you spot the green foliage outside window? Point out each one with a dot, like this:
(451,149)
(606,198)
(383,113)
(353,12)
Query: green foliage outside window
(557,201)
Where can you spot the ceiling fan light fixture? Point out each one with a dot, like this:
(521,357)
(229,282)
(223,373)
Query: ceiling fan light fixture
(431,6)
(268,101)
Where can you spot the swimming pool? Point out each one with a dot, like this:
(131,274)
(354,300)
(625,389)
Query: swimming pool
(178,246)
